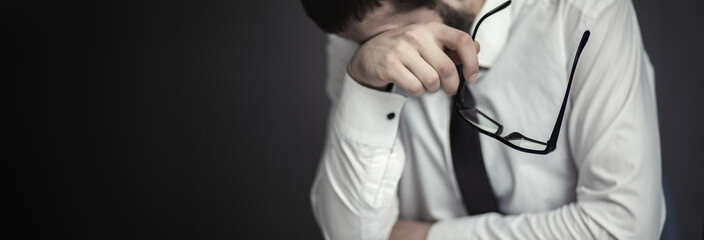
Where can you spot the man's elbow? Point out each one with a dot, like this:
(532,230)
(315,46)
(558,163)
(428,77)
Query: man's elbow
(639,219)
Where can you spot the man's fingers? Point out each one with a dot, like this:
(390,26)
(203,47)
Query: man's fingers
(456,58)
(423,71)
(461,43)
(443,65)
(406,80)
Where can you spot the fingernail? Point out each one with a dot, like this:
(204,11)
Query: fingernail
(473,78)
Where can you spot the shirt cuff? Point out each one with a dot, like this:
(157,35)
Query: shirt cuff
(368,116)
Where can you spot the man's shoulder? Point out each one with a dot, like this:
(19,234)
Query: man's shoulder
(589,7)
(341,46)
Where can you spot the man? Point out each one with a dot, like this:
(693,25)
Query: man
(391,163)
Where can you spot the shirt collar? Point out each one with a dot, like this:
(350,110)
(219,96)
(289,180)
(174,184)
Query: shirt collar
(493,33)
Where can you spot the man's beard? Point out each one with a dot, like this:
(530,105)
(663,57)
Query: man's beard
(455,18)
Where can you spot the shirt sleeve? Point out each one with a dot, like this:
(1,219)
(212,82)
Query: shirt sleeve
(614,137)
(354,193)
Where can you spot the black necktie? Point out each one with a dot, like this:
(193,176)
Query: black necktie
(469,167)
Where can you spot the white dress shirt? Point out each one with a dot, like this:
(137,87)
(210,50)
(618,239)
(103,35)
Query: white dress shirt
(603,180)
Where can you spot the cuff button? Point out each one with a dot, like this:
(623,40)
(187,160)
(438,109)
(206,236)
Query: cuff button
(391,116)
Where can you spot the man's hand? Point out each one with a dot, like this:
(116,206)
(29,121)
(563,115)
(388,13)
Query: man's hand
(417,58)
(410,230)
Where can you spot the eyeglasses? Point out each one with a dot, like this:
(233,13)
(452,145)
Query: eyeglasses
(491,127)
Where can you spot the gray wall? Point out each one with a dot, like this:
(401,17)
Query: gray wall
(169,119)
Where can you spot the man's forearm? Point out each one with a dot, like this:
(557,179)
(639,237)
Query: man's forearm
(354,194)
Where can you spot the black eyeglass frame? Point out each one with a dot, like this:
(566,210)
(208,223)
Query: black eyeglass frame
(551,144)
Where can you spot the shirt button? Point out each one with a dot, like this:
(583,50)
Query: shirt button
(391,116)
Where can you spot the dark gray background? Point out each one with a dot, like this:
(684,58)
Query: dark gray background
(174,119)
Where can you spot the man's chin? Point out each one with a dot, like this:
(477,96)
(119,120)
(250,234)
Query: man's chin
(455,18)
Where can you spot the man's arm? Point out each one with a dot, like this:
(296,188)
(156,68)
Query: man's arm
(354,193)
(613,133)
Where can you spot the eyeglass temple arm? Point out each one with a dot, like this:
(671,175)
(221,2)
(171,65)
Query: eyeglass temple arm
(495,10)
(474,34)
(556,130)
